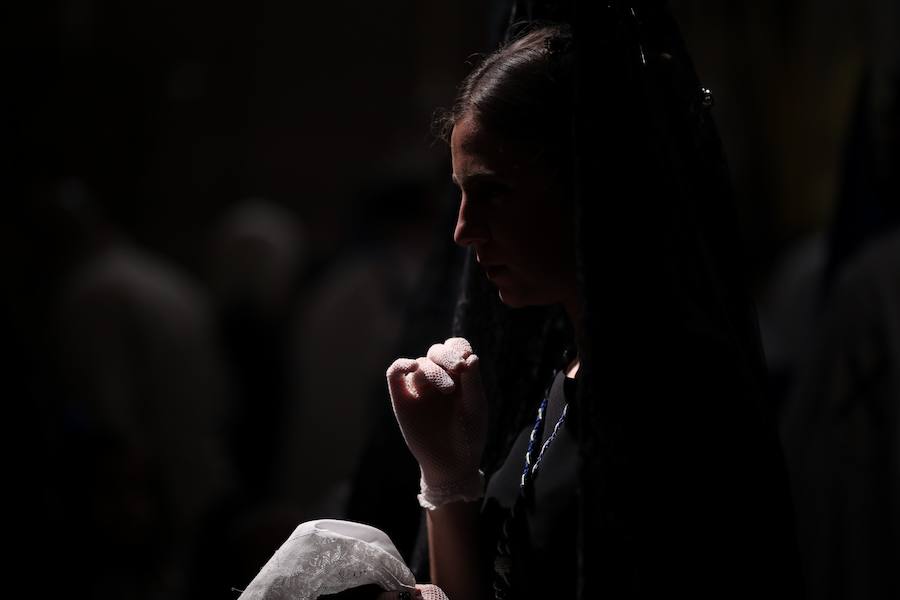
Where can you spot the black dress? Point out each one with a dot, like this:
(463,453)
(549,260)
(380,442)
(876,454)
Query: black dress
(541,526)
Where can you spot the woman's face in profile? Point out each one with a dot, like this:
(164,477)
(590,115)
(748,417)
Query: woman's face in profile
(514,215)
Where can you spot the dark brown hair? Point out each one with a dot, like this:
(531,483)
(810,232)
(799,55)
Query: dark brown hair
(522,92)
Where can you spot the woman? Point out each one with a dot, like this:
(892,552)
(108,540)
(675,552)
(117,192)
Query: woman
(598,489)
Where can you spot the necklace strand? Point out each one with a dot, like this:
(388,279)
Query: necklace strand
(529,471)
(503,556)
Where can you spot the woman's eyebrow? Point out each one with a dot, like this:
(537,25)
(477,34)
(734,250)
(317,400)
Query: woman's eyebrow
(475,178)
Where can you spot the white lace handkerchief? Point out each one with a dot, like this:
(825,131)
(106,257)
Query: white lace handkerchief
(327,557)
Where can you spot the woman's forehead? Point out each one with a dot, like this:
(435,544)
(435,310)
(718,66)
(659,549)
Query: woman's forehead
(470,137)
(476,151)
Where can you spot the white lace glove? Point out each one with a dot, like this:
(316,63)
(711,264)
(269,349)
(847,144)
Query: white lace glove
(439,403)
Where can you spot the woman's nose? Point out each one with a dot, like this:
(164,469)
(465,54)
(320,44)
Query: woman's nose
(470,227)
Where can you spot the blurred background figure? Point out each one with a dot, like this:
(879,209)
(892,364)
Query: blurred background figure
(141,402)
(258,257)
(355,310)
(842,432)
(841,421)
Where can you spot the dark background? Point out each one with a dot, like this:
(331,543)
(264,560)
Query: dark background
(219,213)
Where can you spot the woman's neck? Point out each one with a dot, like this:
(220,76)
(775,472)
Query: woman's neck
(573,310)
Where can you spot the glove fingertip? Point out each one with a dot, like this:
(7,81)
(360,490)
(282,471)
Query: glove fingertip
(460,345)
(471,374)
(401,366)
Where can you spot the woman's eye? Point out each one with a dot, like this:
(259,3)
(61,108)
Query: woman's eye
(493,195)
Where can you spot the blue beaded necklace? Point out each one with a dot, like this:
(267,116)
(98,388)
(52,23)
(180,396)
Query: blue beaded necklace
(529,471)
(503,556)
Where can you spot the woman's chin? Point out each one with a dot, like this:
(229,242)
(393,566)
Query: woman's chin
(514,299)
(508,299)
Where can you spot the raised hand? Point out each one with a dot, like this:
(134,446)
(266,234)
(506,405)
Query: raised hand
(439,403)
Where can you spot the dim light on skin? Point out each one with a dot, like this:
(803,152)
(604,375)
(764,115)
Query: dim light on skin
(515,217)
